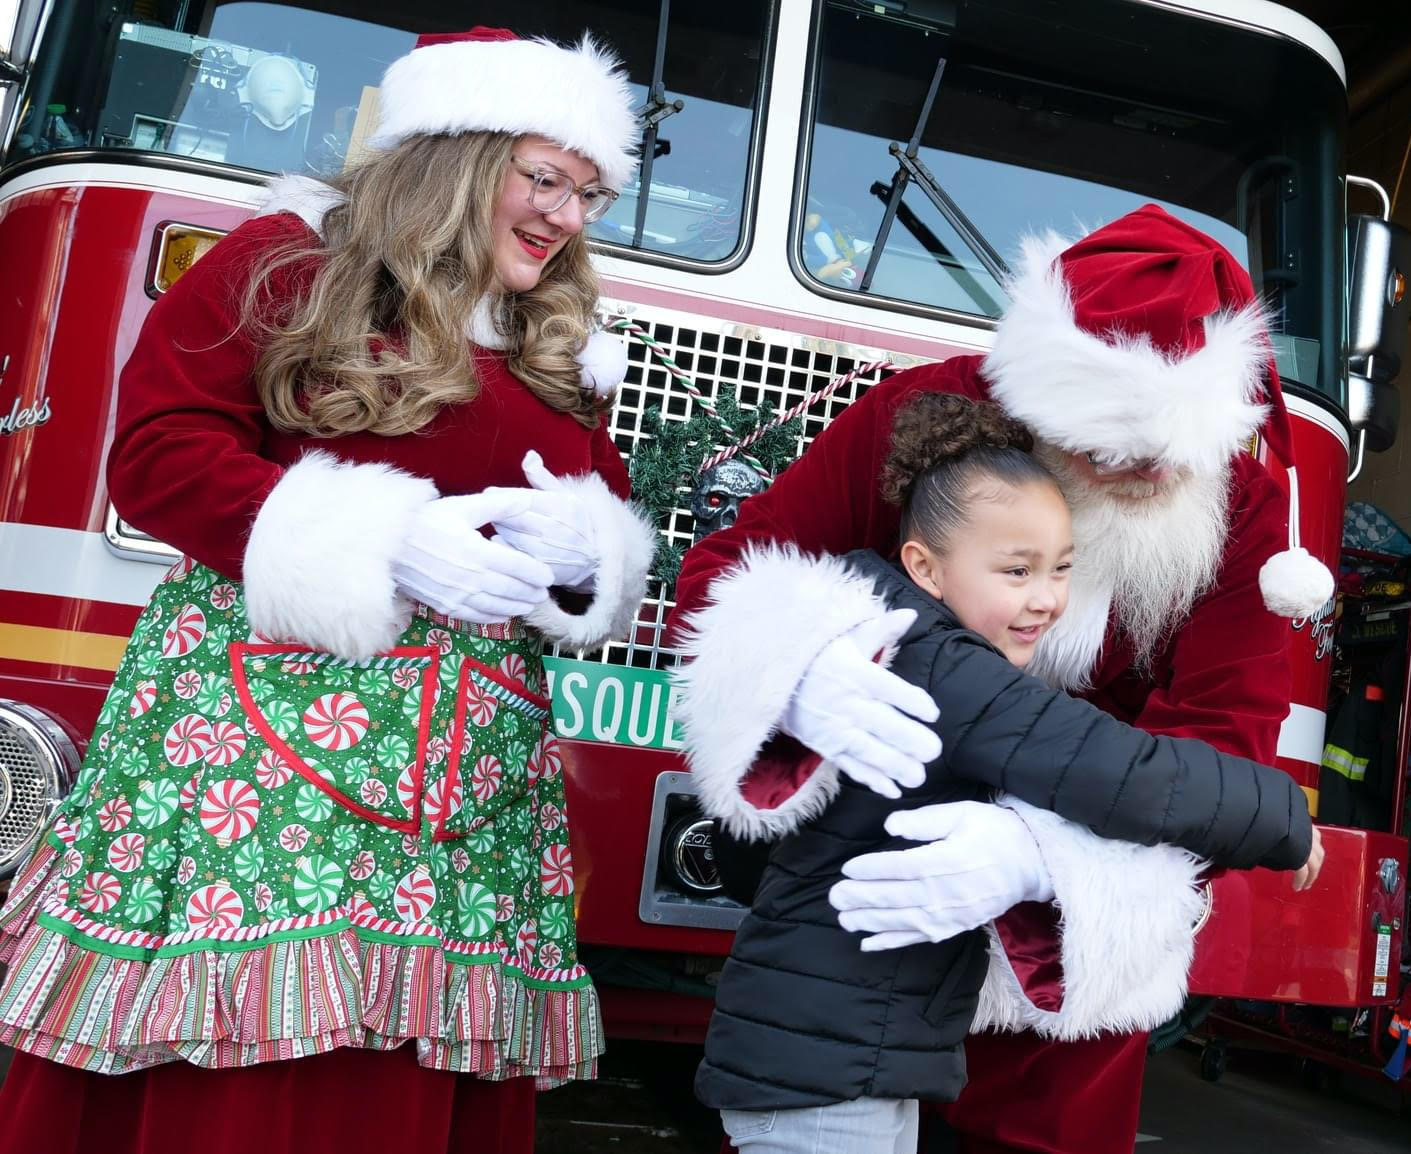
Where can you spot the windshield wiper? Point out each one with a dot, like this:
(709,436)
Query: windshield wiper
(657,109)
(938,248)
(910,168)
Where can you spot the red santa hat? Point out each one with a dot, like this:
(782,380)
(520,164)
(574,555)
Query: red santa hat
(489,80)
(1144,340)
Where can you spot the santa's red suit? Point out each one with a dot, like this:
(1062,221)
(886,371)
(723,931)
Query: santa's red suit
(1139,341)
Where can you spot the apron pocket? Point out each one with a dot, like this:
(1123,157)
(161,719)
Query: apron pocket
(499,722)
(357,730)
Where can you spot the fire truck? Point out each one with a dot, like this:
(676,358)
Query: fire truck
(827,187)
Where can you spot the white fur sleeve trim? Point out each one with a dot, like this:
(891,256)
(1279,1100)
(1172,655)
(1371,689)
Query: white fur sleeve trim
(626,544)
(318,568)
(1127,935)
(764,623)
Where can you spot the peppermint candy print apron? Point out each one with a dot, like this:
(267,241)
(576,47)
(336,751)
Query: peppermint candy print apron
(271,852)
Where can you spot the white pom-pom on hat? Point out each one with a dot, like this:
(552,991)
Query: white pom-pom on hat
(603,363)
(1294,583)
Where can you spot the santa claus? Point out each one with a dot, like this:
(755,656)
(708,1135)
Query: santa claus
(1139,357)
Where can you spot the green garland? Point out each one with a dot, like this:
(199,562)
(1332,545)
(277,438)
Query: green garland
(669,462)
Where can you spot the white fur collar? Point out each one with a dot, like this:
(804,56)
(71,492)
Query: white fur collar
(482,330)
(307,198)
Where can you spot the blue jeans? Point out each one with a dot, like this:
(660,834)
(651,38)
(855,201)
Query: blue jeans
(863,1126)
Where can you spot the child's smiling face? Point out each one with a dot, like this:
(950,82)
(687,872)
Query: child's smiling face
(1005,575)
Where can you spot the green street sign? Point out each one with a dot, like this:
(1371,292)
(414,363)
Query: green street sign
(615,704)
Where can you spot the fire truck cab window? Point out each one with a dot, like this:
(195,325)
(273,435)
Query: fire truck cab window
(278,88)
(984,122)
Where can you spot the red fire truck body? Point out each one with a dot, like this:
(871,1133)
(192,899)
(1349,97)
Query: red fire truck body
(92,230)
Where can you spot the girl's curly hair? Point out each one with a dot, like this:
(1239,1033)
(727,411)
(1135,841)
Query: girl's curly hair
(942,447)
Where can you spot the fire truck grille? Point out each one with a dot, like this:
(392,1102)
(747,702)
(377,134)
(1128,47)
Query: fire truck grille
(24,796)
(761,365)
(37,766)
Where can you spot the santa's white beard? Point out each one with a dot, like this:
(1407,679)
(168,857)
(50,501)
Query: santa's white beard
(1139,562)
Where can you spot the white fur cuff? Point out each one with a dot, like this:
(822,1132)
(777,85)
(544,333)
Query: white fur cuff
(626,544)
(790,606)
(318,568)
(1129,916)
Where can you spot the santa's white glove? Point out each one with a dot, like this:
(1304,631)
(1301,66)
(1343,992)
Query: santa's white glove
(861,717)
(448,564)
(981,860)
(550,524)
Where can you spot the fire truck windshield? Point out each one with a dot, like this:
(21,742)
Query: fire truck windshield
(279,88)
(997,120)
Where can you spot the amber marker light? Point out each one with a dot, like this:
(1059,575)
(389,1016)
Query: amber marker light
(175,249)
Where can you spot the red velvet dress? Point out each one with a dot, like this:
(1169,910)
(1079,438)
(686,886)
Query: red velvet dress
(192,462)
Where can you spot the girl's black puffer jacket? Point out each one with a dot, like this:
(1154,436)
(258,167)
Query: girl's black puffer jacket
(804,1018)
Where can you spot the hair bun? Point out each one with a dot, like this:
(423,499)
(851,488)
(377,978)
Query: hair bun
(933,428)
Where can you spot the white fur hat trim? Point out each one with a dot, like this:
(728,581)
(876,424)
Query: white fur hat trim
(1118,395)
(578,96)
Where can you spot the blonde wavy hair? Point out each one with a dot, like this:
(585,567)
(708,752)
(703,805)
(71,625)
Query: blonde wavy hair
(376,339)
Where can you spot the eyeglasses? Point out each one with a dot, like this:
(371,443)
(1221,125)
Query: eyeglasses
(551,190)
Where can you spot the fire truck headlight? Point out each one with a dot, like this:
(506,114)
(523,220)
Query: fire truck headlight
(689,856)
(38,764)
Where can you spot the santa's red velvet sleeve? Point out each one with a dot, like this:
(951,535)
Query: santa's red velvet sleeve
(827,501)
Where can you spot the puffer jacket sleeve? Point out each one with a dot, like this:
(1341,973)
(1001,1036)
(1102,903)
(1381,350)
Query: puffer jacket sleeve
(1015,734)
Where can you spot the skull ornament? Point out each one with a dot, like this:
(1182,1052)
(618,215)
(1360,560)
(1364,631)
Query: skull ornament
(719,491)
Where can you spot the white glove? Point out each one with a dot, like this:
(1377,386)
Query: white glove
(853,712)
(448,564)
(981,861)
(550,524)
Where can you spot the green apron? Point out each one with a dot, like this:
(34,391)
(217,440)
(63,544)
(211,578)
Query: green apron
(271,852)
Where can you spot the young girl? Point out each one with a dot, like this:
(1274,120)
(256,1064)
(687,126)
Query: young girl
(312,889)
(817,1046)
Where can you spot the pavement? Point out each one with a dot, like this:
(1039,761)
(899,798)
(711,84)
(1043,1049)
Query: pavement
(1263,1104)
